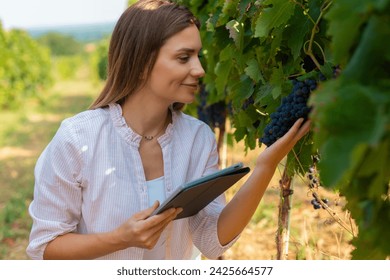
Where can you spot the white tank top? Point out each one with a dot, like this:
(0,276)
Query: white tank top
(156,192)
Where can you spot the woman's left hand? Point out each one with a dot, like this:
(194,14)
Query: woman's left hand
(273,154)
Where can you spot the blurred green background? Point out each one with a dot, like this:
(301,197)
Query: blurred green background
(43,79)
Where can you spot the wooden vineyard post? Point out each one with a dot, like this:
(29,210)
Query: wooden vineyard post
(283,232)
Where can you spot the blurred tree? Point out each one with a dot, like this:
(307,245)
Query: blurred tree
(61,44)
(25,68)
(99,59)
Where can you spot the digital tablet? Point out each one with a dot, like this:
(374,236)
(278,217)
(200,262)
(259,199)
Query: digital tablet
(195,195)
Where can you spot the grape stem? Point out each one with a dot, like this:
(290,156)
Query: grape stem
(309,50)
(305,10)
(332,213)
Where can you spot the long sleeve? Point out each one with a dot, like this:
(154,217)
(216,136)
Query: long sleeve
(56,208)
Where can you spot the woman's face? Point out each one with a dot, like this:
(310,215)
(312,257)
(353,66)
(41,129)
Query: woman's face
(175,75)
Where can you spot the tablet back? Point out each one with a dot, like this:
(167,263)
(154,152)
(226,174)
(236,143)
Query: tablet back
(194,199)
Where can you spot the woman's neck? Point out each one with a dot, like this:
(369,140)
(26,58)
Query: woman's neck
(146,120)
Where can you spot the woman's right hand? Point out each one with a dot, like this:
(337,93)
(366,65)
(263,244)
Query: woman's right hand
(143,230)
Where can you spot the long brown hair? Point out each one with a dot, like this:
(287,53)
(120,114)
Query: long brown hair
(135,42)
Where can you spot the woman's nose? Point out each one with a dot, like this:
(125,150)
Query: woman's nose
(197,70)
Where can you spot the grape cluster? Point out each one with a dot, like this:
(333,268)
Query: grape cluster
(313,180)
(312,174)
(215,114)
(316,204)
(293,107)
(314,183)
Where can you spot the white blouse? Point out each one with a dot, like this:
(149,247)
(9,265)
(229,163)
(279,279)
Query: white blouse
(156,192)
(90,179)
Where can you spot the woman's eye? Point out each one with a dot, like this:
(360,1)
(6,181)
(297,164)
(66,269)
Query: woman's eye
(184,59)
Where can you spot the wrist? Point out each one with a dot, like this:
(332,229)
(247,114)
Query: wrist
(266,165)
(113,240)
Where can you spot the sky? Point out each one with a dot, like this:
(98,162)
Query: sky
(45,13)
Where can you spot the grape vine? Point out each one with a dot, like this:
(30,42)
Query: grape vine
(253,49)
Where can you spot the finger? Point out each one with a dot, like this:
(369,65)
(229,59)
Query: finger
(152,227)
(305,128)
(302,130)
(156,220)
(163,223)
(155,236)
(292,132)
(298,129)
(170,215)
(158,233)
(296,126)
(142,215)
(175,213)
(170,219)
(160,227)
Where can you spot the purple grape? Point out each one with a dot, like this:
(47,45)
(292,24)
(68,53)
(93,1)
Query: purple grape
(293,107)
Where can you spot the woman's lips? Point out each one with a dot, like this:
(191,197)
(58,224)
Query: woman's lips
(194,86)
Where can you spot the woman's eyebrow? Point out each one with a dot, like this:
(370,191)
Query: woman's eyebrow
(189,50)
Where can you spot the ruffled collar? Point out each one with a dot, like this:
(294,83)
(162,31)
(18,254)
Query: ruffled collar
(129,135)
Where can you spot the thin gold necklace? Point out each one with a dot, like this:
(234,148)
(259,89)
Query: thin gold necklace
(151,137)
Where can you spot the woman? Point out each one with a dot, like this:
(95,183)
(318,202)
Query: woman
(105,170)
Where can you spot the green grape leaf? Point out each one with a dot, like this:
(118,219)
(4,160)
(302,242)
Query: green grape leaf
(342,127)
(242,121)
(265,99)
(274,16)
(277,79)
(211,23)
(222,69)
(253,70)
(241,91)
(230,7)
(371,235)
(344,29)
(371,54)
(239,133)
(244,6)
(236,32)
(251,138)
(374,165)
(299,159)
(298,29)
(227,53)
(277,37)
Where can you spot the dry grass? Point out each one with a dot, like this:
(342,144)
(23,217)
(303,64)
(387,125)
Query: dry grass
(314,234)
